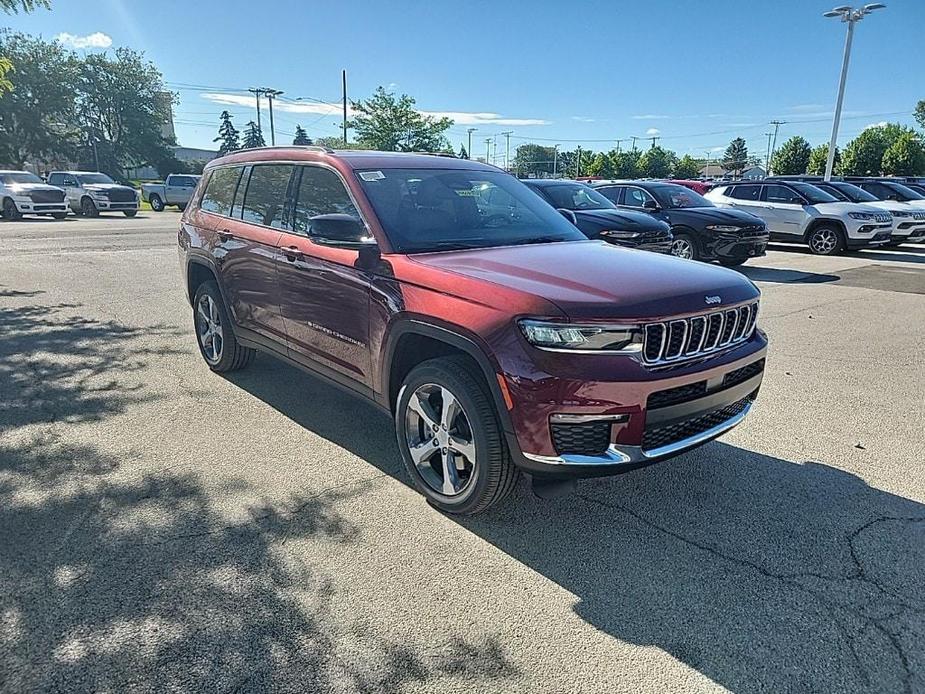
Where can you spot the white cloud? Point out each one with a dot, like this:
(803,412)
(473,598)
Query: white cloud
(584,119)
(803,108)
(468,118)
(95,40)
(881,124)
(650,116)
(652,132)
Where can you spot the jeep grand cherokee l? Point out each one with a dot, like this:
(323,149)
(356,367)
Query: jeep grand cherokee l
(496,349)
(701,230)
(598,218)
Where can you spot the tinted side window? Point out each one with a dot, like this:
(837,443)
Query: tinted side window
(320,192)
(781,194)
(56,180)
(744,192)
(612,193)
(876,189)
(220,190)
(265,199)
(635,197)
(184,181)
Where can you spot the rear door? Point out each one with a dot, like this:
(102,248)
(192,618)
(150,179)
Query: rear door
(784,213)
(323,296)
(612,193)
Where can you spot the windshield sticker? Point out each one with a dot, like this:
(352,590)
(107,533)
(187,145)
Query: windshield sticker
(372,175)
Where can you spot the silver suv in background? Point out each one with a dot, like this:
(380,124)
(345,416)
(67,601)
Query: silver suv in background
(92,192)
(177,189)
(22,193)
(800,212)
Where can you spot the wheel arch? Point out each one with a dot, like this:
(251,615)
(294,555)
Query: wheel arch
(197,272)
(825,221)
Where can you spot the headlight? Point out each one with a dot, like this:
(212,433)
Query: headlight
(610,338)
(722,227)
(900,214)
(863,216)
(619,234)
(99,194)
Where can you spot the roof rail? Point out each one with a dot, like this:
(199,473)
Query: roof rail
(313,148)
(436,154)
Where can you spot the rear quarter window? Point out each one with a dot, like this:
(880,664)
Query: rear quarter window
(219,192)
(743,192)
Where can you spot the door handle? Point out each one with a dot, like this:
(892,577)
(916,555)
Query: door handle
(225,235)
(292,253)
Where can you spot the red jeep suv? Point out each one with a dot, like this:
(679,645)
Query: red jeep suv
(497,347)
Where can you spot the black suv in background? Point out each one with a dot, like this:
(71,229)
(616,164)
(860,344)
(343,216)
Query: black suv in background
(884,189)
(701,230)
(598,218)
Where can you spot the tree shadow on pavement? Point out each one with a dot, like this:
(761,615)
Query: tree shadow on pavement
(782,276)
(761,573)
(114,581)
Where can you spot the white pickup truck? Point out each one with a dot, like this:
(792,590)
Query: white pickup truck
(176,190)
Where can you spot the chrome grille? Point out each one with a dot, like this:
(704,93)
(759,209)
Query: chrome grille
(681,339)
(884,217)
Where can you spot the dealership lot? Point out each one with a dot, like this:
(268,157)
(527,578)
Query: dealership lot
(161,524)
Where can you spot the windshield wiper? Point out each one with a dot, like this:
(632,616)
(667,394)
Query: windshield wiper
(537,239)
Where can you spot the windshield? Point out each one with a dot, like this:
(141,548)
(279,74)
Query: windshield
(445,209)
(852,193)
(812,193)
(94,178)
(19,177)
(903,192)
(575,196)
(678,197)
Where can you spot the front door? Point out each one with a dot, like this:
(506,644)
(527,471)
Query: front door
(324,298)
(783,210)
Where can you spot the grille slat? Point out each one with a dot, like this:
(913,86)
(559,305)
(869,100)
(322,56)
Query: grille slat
(656,437)
(697,335)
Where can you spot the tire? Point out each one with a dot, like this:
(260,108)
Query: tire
(487,474)
(685,246)
(10,211)
(208,314)
(732,262)
(181,207)
(59,215)
(825,240)
(129,213)
(88,208)
(156,203)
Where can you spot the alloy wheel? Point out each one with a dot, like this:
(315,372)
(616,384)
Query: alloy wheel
(10,211)
(823,241)
(440,439)
(209,329)
(682,248)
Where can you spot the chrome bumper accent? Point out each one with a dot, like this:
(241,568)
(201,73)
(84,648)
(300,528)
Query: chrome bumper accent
(618,454)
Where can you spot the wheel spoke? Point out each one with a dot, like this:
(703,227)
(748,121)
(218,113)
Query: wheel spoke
(449,410)
(463,447)
(423,451)
(450,476)
(423,410)
(202,313)
(213,311)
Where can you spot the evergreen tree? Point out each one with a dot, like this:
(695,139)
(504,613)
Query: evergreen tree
(252,136)
(735,157)
(301,137)
(227,135)
(463,154)
(686,168)
(792,158)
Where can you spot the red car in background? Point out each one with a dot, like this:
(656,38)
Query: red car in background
(699,186)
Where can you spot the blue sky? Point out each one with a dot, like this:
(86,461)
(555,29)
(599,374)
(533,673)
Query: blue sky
(694,73)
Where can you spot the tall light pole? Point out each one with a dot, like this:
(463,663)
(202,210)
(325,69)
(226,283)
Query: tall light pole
(507,149)
(488,150)
(850,16)
(469,151)
(555,160)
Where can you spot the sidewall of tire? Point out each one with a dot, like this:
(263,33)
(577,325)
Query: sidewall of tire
(839,246)
(234,356)
(695,251)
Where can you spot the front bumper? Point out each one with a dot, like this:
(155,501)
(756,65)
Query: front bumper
(27,206)
(869,234)
(111,206)
(908,232)
(752,245)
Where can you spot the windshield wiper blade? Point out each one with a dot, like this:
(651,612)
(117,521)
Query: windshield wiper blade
(538,239)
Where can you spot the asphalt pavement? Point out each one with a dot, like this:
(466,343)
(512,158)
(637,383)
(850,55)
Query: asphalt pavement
(163,528)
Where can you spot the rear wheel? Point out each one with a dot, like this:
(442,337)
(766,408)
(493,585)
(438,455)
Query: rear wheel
(450,437)
(684,246)
(214,334)
(88,208)
(181,206)
(156,203)
(825,240)
(10,211)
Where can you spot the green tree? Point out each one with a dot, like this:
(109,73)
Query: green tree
(37,116)
(384,122)
(6,67)
(301,137)
(533,159)
(818,158)
(686,168)
(905,156)
(228,135)
(863,156)
(252,136)
(657,162)
(626,164)
(601,165)
(463,154)
(735,158)
(14,6)
(919,113)
(792,157)
(123,104)
(335,142)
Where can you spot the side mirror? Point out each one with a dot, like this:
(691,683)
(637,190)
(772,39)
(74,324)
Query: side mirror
(568,214)
(651,206)
(340,231)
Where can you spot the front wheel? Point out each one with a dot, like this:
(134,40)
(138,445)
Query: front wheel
(732,262)
(10,211)
(129,213)
(825,240)
(214,333)
(156,203)
(450,437)
(59,215)
(684,246)
(181,206)
(88,208)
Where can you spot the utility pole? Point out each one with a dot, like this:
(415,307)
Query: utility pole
(488,150)
(555,160)
(706,171)
(767,159)
(776,124)
(850,16)
(343,76)
(271,94)
(654,138)
(507,151)
(470,131)
(618,144)
(578,163)
(257,91)
(634,142)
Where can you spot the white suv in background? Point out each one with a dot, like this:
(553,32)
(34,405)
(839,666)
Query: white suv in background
(22,193)
(800,212)
(908,217)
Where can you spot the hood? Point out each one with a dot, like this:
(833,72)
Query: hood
(593,280)
(713,215)
(843,208)
(106,186)
(26,188)
(621,219)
